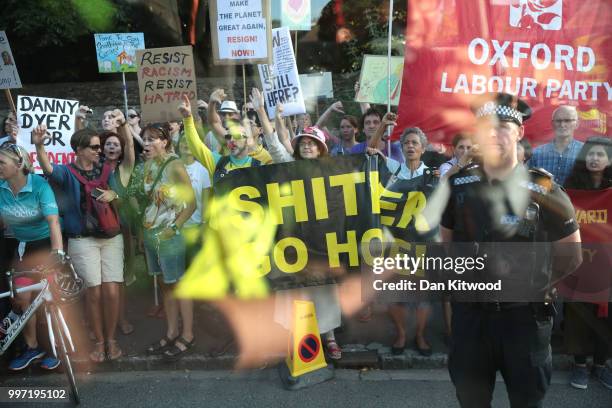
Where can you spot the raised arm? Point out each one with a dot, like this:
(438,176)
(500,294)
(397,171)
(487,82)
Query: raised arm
(257,100)
(387,120)
(281,128)
(199,150)
(39,134)
(324,118)
(214,120)
(129,157)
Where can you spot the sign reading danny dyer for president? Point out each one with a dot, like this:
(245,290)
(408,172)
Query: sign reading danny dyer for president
(241,31)
(548,53)
(58,115)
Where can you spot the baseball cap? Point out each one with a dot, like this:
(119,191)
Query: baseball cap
(312,132)
(229,107)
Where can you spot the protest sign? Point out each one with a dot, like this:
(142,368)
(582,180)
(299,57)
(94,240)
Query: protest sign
(241,31)
(164,76)
(9,77)
(548,53)
(280,81)
(317,85)
(58,115)
(295,15)
(117,52)
(373,79)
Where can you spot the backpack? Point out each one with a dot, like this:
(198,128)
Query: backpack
(101,218)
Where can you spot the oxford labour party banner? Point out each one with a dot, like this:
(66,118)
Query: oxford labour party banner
(548,52)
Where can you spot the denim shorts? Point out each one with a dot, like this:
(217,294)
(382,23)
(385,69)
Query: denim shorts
(165,257)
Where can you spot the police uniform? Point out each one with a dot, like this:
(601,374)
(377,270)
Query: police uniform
(512,337)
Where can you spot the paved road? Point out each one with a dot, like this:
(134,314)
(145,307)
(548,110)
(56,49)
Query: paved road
(350,389)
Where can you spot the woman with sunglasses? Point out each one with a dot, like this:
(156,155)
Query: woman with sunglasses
(28,208)
(97,255)
(170,204)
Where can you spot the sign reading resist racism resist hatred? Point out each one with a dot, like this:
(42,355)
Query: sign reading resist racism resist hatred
(241,31)
(164,76)
(9,77)
(58,115)
(549,53)
(117,52)
(280,81)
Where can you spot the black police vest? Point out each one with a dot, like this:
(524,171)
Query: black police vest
(221,171)
(507,215)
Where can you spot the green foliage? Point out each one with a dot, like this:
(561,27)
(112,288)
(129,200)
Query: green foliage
(97,14)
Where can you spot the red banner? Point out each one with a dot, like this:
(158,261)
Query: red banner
(592,281)
(548,52)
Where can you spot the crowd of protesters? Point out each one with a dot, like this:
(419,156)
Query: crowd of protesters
(157,179)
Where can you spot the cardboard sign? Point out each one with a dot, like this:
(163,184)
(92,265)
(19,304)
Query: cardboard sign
(164,76)
(317,85)
(9,77)
(241,31)
(373,79)
(295,14)
(280,81)
(58,115)
(117,52)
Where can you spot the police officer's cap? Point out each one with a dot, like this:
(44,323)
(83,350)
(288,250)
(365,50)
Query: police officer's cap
(507,108)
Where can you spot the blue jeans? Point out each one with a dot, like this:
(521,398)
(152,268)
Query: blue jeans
(165,257)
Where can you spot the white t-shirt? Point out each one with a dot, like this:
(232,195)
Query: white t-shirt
(199,181)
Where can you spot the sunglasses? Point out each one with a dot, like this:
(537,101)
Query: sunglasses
(162,127)
(95,147)
(13,148)
(229,137)
(133,116)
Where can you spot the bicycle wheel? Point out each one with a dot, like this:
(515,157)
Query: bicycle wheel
(63,355)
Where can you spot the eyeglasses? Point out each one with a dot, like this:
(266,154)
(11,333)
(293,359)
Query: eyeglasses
(95,147)
(307,143)
(13,148)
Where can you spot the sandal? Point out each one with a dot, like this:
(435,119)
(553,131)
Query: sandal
(333,349)
(114,352)
(98,355)
(175,351)
(160,346)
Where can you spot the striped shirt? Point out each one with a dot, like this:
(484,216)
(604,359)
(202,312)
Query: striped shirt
(559,164)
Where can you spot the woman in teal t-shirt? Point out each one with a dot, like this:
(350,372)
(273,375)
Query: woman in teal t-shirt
(28,207)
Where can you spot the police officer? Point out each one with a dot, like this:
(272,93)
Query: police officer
(493,201)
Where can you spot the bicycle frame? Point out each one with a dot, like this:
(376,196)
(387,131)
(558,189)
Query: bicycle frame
(45,296)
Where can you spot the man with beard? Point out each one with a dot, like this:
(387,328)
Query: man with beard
(370,123)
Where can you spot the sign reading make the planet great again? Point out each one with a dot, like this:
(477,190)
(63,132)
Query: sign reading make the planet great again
(241,31)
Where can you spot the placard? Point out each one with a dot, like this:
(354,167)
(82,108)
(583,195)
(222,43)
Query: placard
(295,15)
(317,85)
(373,79)
(117,52)
(58,115)
(9,76)
(280,81)
(164,76)
(241,31)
